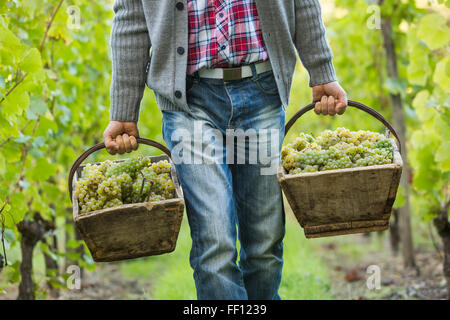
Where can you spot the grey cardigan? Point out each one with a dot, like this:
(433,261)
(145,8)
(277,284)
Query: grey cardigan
(162,25)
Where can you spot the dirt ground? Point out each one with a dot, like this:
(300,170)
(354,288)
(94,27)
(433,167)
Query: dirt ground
(348,271)
(350,277)
(107,283)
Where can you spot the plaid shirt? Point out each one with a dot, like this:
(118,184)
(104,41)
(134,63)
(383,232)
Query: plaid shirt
(224,33)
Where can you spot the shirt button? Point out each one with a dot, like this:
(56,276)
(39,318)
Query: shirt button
(178,94)
(221,15)
(180,50)
(223,47)
(179,6)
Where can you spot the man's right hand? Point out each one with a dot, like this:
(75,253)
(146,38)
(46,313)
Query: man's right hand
(120,137)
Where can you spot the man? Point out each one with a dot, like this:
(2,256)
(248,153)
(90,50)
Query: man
(221,69)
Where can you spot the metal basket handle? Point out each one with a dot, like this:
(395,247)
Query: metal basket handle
(100,146)
(354,104)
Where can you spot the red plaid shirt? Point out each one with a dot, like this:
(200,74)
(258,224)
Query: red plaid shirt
(224,33)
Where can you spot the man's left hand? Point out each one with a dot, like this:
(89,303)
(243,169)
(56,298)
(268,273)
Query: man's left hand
(330,97)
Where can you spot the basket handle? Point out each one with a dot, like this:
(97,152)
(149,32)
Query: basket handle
(100,146)
(354,104)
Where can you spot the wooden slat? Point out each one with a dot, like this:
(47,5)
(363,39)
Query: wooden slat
(343,201)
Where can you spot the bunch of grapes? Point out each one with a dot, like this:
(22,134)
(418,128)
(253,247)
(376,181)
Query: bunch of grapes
(109,184)
(130,166)
(336,149)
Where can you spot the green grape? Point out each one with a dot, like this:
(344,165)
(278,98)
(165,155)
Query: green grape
(165,186)
(161,166)
(113,203)
(156,197)
(285,150)
(289,160)
(309,168)
(295,171)
(110,188)
(158,181)
(108,184)
(129,166)
(331,164)
(336,149)
(302,141)
(141,189)
(344,162)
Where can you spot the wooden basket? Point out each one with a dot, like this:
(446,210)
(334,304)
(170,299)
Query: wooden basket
(344,201)
(131,230)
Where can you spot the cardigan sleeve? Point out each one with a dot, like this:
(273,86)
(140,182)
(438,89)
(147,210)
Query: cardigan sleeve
(311,43)
(130,46)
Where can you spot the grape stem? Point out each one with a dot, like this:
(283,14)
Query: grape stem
(144,179)
(142,188)
(150,190)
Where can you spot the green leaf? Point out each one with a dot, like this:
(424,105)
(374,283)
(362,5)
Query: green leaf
(433,31)
(88,259)
(22,139)
(443,153)
(2,164)
(16,211)
(47,251)
(43,170)
(30,6)
(400,198)
(73,243)
(37,107)
(442,73)
(9,41)
(38,142)
(7,128)
(51,191)
(442,156)
(73,255)
(419,103)
(418,68)
(395,86)
(45,125)
(444,166)
(31,62)
(15,103)
(2,82)
(426,173)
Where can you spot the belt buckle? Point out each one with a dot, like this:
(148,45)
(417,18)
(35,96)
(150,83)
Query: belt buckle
(232,74)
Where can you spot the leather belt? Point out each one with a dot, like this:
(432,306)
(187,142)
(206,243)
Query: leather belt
(233,74)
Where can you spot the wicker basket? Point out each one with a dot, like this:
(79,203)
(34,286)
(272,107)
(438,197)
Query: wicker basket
(345,201)
(131,230)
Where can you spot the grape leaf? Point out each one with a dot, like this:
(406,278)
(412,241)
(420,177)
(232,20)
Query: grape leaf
(418,69)
(442,156)
(400,197)
(419,103)
(16,210)
(442,73)
(15,103)
(2,164)
(31,62)
(433,31)
(43,170)
(37,106)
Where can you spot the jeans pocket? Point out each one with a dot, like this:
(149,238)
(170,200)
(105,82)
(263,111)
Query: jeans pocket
(266,83)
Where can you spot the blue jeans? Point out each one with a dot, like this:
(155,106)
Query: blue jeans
(227,193)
